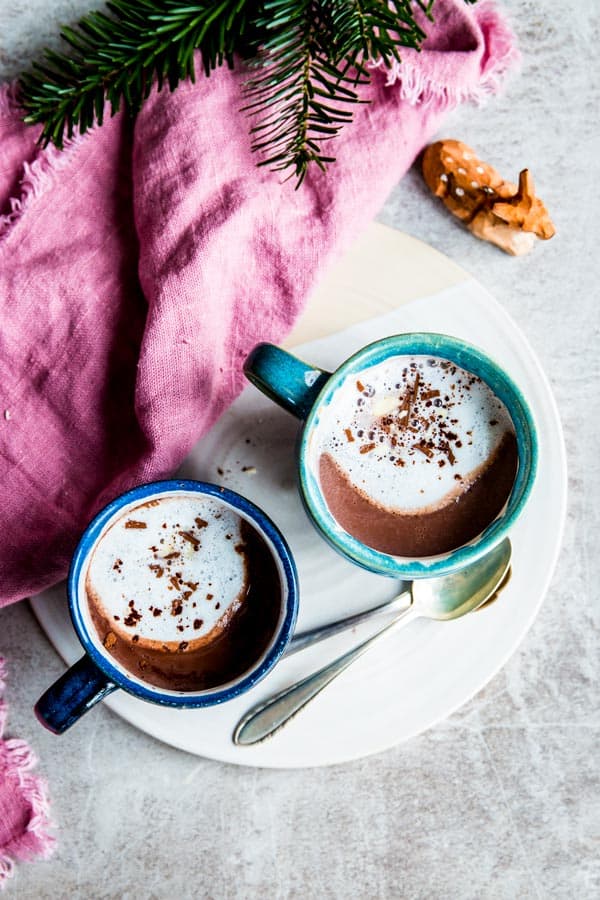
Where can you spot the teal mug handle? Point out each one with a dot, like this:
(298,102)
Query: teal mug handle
(284,378)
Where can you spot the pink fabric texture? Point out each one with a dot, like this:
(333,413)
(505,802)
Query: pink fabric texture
(140,265)
(24,822)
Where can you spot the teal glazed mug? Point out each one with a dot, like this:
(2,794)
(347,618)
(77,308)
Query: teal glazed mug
(307,392)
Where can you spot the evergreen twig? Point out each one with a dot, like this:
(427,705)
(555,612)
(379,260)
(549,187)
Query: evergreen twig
(310,65)
(117,58)
(307,62)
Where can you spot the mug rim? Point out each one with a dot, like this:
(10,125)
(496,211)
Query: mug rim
(279,548)
(441,346)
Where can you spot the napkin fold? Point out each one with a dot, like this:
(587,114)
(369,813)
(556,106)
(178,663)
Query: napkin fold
(24,816)
(141,264)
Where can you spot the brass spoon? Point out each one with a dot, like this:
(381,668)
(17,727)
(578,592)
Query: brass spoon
(444,598)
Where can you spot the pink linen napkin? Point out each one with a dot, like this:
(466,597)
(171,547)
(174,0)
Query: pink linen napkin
(140,265)
(24,820)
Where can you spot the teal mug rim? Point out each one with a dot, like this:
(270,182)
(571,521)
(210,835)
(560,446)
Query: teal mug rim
(472,359)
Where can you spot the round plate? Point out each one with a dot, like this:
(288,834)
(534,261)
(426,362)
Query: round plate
(416,676)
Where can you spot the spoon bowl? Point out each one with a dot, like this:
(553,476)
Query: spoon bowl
(452,596)
(442,598)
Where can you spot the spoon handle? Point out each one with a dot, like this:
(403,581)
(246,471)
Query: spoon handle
(265,719)
(314,635)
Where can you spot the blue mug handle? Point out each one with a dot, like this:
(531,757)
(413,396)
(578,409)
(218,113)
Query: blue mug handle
(75,692)
(284,378)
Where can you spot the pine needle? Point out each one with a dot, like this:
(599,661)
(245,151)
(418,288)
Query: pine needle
(307,61)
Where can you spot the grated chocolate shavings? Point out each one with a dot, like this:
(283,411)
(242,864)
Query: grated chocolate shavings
(366,448)
(134,523)
(190,538)
(415,390)
(423,448)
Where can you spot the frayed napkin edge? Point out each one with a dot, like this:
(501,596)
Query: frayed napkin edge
(36,841)
(421,90)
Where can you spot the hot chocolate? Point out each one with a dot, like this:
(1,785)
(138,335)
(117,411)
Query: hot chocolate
(183,592)
(415,456)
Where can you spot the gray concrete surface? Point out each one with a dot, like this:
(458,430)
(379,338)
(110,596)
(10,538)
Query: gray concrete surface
(501,801)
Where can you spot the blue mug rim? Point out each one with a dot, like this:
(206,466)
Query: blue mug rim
(472,359)
(153,694)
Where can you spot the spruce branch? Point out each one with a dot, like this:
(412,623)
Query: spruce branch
(309,66)
(117,57)
(307,61)
(298,94)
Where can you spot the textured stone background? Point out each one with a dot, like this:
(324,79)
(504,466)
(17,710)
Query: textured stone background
(501,800)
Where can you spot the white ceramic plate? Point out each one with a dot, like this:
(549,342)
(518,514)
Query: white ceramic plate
(415,677)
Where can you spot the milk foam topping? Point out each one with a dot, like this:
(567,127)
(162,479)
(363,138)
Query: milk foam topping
(169,570)
(411,432)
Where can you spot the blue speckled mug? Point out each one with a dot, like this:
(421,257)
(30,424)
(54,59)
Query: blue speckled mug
(305,391)
(97,674)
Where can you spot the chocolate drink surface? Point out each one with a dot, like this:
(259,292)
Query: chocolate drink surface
(183,592)
(415,456)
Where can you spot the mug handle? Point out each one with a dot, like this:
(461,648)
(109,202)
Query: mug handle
(284,378)
(75,692)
